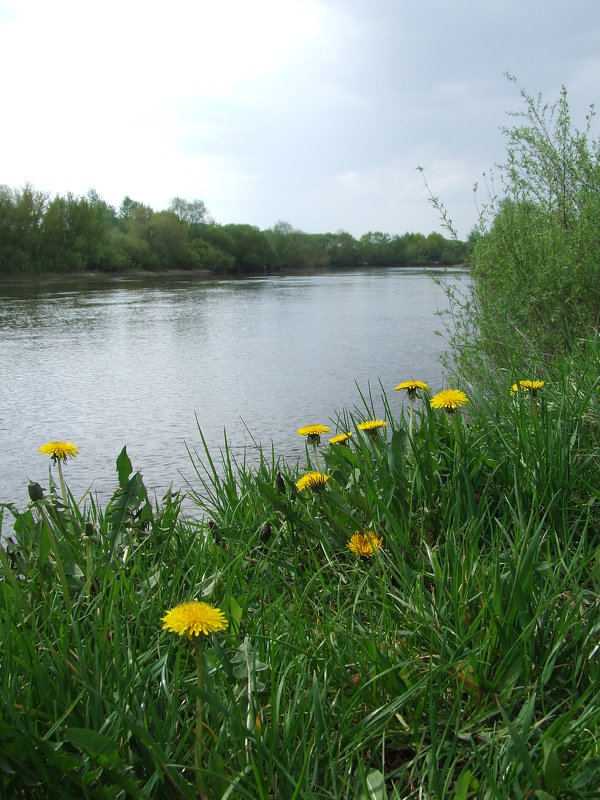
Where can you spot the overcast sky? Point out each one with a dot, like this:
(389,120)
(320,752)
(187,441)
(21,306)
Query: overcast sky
(316,112)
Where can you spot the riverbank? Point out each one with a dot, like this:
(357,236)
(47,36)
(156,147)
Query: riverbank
(96,276)
(411,610)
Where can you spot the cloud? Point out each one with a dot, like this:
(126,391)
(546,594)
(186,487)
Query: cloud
(315,111)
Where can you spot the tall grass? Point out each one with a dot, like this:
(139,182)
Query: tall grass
(462,660)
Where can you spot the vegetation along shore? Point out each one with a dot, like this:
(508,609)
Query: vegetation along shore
(73,235)
(411,611)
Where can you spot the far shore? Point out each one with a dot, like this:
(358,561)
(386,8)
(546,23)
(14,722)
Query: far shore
(41,278)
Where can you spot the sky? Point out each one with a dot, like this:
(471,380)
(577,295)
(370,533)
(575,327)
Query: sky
(314,112)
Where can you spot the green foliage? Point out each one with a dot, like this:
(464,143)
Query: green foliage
(460,661)
(21,214)
(83,234)
(535,267)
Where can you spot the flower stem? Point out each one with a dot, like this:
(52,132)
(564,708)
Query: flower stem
(88,567)
(198,749)
(57,559)
(457,448)
(63,488)
(315,452)
(71,529)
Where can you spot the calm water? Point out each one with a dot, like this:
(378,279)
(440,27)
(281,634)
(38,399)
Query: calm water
(131,363)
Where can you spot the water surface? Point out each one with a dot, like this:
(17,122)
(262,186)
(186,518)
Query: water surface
(141,363)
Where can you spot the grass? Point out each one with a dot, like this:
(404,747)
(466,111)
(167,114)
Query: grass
(462,660)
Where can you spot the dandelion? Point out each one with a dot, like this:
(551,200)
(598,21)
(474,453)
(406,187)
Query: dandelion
(59,451)
(412,387)
(313,431)
(531,386)
(193,619)
(371,425)
(365,544)
(449,400)
(196,618)
(312,480)
(340,438)
(313,435)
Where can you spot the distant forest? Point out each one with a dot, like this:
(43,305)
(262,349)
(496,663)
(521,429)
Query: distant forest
(78,234)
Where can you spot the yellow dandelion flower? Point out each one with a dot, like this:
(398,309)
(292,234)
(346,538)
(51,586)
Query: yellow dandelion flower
(59,451)
(313,430)
(449,400)
(365,544)
(412,387)
(312,480)
(531,386)
(371,425)
(193,619)
(340,438)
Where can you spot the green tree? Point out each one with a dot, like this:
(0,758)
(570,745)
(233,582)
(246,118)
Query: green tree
(78,234)
(158,240)
(343,250)
(249,246)
(21,215)
(415,248)
(535,264)
(377,248)
(292,247)
(194,212)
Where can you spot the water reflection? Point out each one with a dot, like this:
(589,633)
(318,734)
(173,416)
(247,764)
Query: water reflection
(129,363)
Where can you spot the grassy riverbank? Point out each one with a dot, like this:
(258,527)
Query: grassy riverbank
(459,659)
(412,612)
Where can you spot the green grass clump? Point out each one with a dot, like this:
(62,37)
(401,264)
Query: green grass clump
(461,659)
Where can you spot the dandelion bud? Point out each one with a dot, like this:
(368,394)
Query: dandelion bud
(35,491)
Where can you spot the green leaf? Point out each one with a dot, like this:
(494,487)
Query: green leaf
(319,718)
(520,749)
(104,753)
(588,773)
(553,771)
(5,766)
(233,611)
(373,787)
(461,787)
(124,467)
(98,747)
(246,664)
(126,501)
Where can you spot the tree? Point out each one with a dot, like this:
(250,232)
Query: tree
(535,265)
(21,215)
(193,212)
(292,247)
(343,249)
(376,248)
(157,240)
(250,247)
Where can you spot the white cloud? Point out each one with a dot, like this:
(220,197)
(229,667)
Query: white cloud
(316,111)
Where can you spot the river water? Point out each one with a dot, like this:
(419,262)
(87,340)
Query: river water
(143,363)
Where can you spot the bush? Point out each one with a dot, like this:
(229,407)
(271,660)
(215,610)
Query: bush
(535,265)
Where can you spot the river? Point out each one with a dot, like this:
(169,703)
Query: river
(142,363)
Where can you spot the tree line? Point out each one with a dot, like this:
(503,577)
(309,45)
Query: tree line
(78,234)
